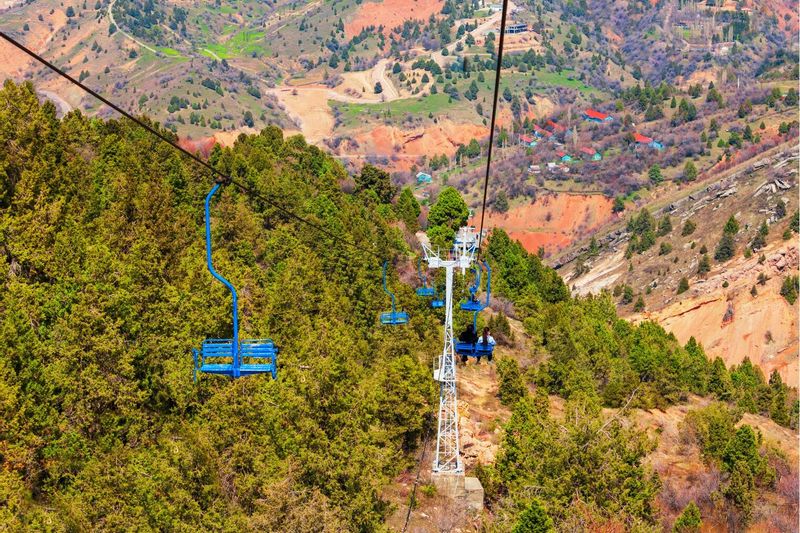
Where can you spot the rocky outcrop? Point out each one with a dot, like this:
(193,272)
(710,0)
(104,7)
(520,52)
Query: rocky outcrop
(780,180)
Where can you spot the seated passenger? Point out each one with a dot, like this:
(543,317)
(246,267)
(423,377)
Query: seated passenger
(486,340)
(469,336)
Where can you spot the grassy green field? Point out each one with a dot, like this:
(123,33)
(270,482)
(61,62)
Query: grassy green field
(169,52)
(564,79)
(220,50)
(434,103)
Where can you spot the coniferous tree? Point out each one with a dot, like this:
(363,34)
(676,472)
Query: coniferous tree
(689,171)
(655,174)
(511,387)
(408,209)
(689,521)
(719,381)
(664,226)
(726,248)
(683,285)
(377,180)
(704,266)
(739,491)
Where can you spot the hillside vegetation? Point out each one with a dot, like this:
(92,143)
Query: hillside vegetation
(105,291)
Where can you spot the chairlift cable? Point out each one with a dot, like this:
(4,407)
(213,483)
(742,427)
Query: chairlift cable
(494,116)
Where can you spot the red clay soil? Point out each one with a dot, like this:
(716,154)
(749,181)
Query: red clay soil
(779,9)
(441,138)
(390,14)
(763,328)
(553,220)
(202,145)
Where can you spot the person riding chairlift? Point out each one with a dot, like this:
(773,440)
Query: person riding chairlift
(486,340)
(468,335)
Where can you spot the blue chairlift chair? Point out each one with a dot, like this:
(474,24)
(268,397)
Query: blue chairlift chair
(480,348)
(393,317)
(424,291)
(232,357)
(472,303)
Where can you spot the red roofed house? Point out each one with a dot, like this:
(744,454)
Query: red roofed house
(540,132)
(556,126)
(649,141)
(594,154)
(596,116)
(527,140)
(565,157)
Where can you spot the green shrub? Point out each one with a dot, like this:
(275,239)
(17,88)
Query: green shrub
(683,285)
(511,386)
(790,288)
(689,521)
(534,519)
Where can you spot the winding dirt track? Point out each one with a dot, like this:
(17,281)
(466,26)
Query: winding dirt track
(63,106)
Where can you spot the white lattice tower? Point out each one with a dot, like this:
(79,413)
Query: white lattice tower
(448,452)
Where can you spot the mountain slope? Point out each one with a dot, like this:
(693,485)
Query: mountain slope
(105,292)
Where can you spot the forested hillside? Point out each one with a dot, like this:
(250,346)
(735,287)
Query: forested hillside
(105,292)
(590,468)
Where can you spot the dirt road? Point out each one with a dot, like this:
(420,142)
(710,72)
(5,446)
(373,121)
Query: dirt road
(308,108)
(63,106)
(390,92)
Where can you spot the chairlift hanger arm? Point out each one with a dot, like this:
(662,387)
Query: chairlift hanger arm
(213,271)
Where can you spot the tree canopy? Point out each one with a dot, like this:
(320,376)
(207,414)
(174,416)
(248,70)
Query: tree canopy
(105,291)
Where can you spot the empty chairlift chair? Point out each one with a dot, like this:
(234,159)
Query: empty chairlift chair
(393,317)
(425,291)
(472,303)
(480,348)
(232,357)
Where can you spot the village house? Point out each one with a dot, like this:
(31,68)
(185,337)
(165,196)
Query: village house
(527,140)
(649,141)
(541,132)
(593,115)
(424,178)
(519,27)
(593,154)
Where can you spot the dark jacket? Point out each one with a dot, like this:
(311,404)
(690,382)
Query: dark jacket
(468,336)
